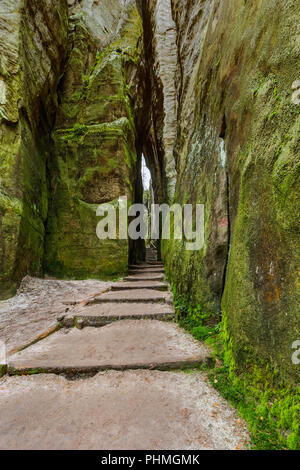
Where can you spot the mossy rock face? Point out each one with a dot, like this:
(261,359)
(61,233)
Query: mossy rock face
(87,50)
(91,168)
(94,151)
(74,251)
(32,58)
(236,94)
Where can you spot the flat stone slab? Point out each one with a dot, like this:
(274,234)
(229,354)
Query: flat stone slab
(144,271)
(102,314)
(145,277)
(149,264)
(133,410)
(126,344)
(137,295)
(38,304)
(156,285)
(148,269)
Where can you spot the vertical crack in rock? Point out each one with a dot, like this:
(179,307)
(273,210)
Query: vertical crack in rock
(164,68)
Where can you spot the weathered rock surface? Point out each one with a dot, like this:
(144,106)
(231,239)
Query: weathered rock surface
(69,74)
(33,43)
(236,151)
(108,312)
(164,68)
(37,306)
(209,91)
(95,156)
(117,410)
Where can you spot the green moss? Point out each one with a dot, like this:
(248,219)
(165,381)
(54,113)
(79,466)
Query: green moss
(3,370)
(15,372)
(270,406)
(282,145)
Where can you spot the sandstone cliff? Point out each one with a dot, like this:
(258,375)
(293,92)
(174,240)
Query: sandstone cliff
(231,84)
(208,91)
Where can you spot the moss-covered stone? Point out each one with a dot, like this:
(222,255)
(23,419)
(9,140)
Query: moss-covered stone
(34,39)
(237,152)
(90,171)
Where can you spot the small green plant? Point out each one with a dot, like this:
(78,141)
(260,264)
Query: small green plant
(273,115)
(79,129)
(275,94)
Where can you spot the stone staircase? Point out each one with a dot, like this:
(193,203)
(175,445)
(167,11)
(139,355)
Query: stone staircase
(138,331)
(108,377)
(151,255)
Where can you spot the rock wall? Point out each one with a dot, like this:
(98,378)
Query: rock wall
(95,156)
(161,56)
(237,151)
(32,54)
(209,91)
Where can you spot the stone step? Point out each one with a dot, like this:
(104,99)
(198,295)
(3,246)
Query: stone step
(146,270)
(146,266)
(145,277)
(103,314)
(136,295)
(122,345)
(155,285)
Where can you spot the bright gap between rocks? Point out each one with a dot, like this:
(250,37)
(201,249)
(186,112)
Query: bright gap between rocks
(146,175)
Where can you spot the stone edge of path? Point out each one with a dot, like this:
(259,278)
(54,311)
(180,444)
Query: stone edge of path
(82,320)
(128,285)
(50,331)
(167,299)
(191,363)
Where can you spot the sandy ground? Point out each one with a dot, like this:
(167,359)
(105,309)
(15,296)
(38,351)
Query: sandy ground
(117,410)
(37,305)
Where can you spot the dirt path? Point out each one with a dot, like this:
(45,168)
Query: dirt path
(113,382)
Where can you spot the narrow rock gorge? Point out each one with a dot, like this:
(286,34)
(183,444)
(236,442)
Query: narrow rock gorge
(208,92)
